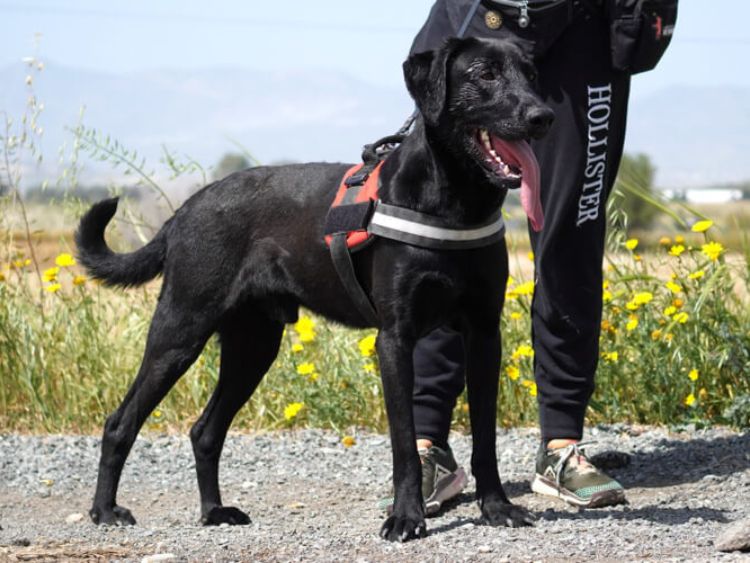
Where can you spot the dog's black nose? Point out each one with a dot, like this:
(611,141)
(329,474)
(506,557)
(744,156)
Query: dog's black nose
(540,119)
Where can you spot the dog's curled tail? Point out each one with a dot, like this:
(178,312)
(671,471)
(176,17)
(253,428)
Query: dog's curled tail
(126,270)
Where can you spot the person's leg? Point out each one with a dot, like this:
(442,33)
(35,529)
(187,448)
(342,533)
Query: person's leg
(438,380)
(579,160)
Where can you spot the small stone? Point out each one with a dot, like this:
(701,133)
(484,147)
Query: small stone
(73,518)
(736,537)
(484,549)
(159,557)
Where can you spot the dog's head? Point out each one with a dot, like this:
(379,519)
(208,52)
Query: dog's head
(482,93)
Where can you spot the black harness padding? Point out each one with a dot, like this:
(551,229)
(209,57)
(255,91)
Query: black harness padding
(342,262)
(348,217)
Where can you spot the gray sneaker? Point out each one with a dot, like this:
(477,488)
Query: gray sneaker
(567,473)
(442,479)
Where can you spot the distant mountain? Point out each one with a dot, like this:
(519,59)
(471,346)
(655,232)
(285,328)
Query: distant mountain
(695,136)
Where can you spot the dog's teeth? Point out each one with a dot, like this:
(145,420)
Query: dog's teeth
(506,169)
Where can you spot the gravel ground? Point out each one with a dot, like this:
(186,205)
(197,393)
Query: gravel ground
(312,499)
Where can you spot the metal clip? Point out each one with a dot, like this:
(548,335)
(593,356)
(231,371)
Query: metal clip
(523,19)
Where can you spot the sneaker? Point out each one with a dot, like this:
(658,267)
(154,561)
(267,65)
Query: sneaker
(442,479)
(568,474)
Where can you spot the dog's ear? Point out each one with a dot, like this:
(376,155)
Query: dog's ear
(426,76)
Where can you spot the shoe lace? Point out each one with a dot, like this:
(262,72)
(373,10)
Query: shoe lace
(574,455)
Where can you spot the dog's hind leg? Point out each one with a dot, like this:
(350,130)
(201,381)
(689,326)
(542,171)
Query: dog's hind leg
(176,338)
(483,366)
(249,344)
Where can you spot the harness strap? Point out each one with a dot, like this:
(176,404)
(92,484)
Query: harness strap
(342,262)
(419,229)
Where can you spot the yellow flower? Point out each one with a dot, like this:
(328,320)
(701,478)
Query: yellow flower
(314,377)
(513,372)
(656,334)
(678,303)
(681,318)
(676,250)
(665,241)
(632,323)
(54,288)
(292,410)
(64,260)
(305,328)
(532,390)
(79,280)
(297,347)
(369,367)
(611,356)
(606,296)
(348,441)
(367,346)
(523,351)
(668,337)
(690,400)
(643,298)
(525,288)
(605,284)
(712,250)
(669,311)
(694,374)
(50,274)
(306,368)
(673,287)
(631,244)
(703,394)
(702,226)
(516,316)
(637,257)
(697,275)
(531,255)
(632,306)
(679,239)
(157,414)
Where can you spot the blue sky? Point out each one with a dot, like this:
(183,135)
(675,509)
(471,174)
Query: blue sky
(366,39)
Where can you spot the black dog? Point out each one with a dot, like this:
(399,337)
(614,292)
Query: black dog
(241,255)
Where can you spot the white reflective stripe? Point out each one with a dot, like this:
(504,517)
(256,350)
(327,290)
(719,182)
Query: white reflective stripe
(436,233)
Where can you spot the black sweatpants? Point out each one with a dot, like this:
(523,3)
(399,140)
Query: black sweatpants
(579,160)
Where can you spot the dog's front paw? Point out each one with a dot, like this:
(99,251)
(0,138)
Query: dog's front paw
(403,528)
(115,516)
(225,515)
(497,512)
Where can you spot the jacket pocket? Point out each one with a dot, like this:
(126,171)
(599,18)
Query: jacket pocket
(640,32)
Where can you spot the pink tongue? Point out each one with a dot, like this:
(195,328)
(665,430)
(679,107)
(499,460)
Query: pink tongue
(519,154)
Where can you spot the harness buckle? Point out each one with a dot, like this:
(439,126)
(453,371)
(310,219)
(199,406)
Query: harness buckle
(357,179)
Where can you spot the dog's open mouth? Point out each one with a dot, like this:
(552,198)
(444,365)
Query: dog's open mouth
(500,162)
(515,162)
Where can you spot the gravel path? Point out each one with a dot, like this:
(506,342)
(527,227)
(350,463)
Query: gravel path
(312,499)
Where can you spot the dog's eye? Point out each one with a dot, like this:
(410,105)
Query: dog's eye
(488,76)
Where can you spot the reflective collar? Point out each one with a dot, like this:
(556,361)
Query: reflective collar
(428,231)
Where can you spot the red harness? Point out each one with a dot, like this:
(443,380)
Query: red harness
(357,194)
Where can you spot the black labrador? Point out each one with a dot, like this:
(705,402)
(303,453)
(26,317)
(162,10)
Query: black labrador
(243,254)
